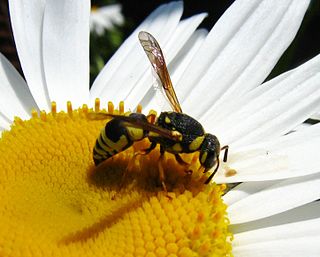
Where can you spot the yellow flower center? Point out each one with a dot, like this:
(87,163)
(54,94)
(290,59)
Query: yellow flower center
(54,202)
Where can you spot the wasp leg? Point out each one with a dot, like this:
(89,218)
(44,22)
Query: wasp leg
(141,152)
(161,171)
(147,150)
(201,168)
(182,162)
(128,169)
(226,150)
(213,173)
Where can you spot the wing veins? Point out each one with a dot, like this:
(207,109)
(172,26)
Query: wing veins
(154,53)
(173,135)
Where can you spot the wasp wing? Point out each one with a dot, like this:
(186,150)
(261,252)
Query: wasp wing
(173,135)
(133,122)
(153,50)
(100,116)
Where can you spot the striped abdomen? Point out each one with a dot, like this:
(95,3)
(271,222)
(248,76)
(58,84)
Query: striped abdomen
(116,137)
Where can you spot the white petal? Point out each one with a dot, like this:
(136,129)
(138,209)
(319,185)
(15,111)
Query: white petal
(15,97)
(297,247)
(66,51)
(316,116)
(277,198)
(293,155)
(274,108)
(180,36)
(182,60)
(299,222)
(250,34)
(229,108)
(243,190)
(127,65)
(302,126)
(267,56)
(4,123)
(26,20)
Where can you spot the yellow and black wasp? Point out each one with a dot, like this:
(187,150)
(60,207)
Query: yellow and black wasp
(174,131)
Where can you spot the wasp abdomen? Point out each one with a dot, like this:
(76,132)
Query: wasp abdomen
(115,137)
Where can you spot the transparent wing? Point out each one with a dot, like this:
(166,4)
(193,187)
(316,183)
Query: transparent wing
(133,122)
(100,116)
(155,55)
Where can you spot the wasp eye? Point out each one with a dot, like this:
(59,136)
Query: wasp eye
(209,152)
(208,159)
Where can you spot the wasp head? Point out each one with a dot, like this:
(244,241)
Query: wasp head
(209,152)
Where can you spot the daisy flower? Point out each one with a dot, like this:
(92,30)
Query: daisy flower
(55,203)
(105,17)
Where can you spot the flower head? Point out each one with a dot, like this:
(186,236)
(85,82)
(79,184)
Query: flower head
(56,200)
(55,203)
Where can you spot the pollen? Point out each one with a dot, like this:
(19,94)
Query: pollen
(55,202)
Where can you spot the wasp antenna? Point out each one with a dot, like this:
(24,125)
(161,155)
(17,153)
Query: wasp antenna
(213,173)
(226,150)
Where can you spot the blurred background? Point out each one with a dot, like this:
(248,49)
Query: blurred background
(122,17)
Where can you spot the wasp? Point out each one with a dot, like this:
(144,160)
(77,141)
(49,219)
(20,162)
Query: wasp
(175,131)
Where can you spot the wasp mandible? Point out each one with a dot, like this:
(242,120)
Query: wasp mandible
(175,131)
